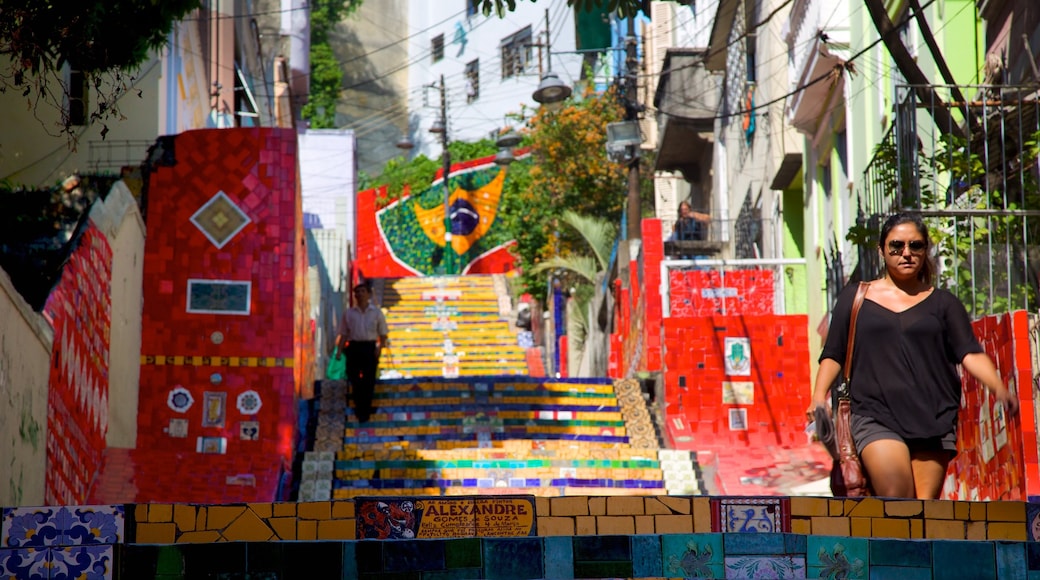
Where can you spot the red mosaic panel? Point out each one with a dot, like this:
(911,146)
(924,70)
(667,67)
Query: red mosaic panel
(79,309)
(711,292)
(258,352)
(767,392)
(992,458)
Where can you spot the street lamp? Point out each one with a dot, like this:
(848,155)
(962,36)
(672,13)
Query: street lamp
(551,90)
(505,143)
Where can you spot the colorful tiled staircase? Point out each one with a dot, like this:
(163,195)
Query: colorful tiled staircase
(449,326)
(485,431)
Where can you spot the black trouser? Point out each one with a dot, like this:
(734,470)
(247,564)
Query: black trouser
(362,363)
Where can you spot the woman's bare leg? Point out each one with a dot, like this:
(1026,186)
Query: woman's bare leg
(887,462)
(929,469)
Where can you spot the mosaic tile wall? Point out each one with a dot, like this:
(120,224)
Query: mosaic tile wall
(221,310)
(644,556)
(997,455)
(736,380)
(80,310)
(616,515)
(60,542)
(406,237)
(729,537)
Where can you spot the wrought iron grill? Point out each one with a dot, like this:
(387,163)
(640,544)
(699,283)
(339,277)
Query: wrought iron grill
(965,157)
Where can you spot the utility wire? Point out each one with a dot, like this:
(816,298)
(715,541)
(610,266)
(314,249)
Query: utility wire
(838,69)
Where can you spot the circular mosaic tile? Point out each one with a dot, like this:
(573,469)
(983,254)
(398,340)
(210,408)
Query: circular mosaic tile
(249,403)
(179,399)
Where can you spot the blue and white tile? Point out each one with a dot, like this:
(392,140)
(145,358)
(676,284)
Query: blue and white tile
(26,527)
(742,515)
(93,562)
(27,563)
(765,567)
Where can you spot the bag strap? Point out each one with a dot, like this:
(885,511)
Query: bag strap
(861,292)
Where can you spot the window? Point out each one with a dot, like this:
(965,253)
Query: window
(438,48)
(77,93)
(218,297)
(516,53)
(472,81)
(751,62)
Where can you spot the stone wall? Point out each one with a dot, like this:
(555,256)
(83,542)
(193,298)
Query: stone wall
(25,346)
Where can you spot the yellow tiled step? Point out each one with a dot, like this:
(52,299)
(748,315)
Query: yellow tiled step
(549,449)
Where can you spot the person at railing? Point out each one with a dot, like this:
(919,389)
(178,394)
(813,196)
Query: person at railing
(691,225)
(905,389)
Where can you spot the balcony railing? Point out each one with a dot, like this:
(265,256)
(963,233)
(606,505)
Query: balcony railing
(965,157)
(111,156)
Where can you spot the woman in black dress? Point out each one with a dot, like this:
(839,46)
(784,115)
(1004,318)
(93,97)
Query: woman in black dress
(910,337)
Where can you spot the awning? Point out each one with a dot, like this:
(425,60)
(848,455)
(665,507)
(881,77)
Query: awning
(809,107)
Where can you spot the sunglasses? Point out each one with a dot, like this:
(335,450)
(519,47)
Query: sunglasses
(896,247)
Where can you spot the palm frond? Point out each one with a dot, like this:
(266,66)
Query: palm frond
(598,233)
(583,266)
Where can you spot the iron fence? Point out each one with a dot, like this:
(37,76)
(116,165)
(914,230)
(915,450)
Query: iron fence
(965,157)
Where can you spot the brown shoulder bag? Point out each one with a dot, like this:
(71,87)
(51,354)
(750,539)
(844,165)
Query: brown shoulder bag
(849,479)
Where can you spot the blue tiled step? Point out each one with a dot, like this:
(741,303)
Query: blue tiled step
(477,437)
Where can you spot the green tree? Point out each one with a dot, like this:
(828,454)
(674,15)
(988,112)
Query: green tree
(326,80)
(109,37)
(568,170)
(584,273)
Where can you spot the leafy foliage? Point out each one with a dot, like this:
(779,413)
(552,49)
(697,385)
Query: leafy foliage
(326,80)
(110,37)
(954,176)
(567,169)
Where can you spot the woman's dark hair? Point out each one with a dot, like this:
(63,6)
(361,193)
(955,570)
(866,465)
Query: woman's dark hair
(927,272)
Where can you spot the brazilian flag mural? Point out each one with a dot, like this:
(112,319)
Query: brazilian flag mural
(413,227)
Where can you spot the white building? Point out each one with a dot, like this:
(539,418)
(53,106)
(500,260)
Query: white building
(491,66)
(209,75)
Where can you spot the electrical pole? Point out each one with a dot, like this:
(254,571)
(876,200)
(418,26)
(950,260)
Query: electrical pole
(634,211)
(449,253)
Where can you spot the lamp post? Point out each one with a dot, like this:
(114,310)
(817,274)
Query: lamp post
(551,90)
(441,127)
(632,108)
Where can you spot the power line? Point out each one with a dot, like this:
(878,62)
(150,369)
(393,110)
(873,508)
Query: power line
(838,69)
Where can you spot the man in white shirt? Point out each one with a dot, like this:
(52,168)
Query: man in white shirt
(361,337)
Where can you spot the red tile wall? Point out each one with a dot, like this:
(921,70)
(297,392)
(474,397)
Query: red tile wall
(694,372)
(710,292)
(257,169)
(79,309)
(997,455)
